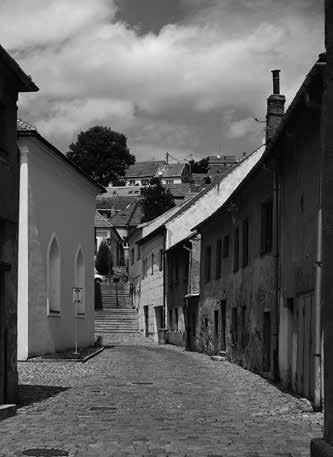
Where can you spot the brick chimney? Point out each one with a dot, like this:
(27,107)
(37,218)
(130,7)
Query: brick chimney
(275,107)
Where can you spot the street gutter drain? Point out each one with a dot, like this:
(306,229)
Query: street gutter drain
(46,452)
(103,408)
(143,383)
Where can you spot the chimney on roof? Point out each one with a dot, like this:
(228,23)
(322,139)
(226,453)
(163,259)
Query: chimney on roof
(275,107)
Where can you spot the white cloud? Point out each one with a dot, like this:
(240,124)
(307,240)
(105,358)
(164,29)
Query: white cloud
(91,69)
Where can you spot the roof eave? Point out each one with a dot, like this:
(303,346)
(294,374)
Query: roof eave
(25,82)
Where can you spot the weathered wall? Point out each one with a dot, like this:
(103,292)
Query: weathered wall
(251,289)
(134,269)
(9,193)
(151,285)
(66,211)
(299,203)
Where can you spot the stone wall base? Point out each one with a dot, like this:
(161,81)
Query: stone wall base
(319,448)
(7,411)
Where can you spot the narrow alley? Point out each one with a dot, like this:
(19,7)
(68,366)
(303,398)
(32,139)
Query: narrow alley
(141,399)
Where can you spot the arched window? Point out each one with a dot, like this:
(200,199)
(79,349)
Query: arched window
(53,277)
(80,279)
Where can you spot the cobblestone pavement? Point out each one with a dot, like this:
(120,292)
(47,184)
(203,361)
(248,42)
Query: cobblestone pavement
(149,400)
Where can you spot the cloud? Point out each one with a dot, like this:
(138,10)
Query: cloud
(91,68)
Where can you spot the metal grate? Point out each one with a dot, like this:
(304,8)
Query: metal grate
(46,452)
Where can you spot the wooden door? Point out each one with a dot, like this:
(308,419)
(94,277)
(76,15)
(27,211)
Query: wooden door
(223,324)
(216,331)
(146,315)
(305,329)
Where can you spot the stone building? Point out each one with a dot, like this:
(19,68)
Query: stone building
(57,200)
(12,81)
(104,231)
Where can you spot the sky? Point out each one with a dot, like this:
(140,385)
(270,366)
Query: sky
(184,76)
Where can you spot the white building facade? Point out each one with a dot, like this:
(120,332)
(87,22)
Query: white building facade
(56,249)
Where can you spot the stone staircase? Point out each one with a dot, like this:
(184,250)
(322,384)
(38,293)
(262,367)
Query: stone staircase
(113,324)
(116,295)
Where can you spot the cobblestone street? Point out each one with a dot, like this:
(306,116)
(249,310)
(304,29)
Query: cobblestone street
(147,400)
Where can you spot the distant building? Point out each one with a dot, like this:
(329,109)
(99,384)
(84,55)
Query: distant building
(104,231)
(218,165)
(141,173)
(12,81)
(56,248)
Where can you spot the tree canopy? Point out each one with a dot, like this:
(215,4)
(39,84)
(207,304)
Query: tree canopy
(103,154)
(199,167)
(157,200)
(103,262)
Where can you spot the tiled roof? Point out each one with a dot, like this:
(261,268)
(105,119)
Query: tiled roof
(107,201)
(100,221)
(144,169)
(173,170)
(179,190)
(23,126)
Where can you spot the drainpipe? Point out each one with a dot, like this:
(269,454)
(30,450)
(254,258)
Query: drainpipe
(164,281)
(187,304)
(276,185)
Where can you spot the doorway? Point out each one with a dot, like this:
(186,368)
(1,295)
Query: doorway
(146,317)
(223,324)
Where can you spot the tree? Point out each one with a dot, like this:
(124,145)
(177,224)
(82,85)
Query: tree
(199,167)
(157,200)
(103,262)
(102,153)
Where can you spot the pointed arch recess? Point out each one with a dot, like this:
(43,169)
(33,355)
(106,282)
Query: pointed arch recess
(53,276)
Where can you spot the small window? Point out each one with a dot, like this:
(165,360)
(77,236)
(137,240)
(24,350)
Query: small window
(226,246)
(208,263)
(138,252)
(161,260)
(218,259)
(152,263)
(132,256)
(266,227)
(236,249)
(245,243)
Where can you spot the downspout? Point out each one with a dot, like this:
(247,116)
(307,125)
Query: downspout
(317,355)
(164,281)
(276,189)
(187,299)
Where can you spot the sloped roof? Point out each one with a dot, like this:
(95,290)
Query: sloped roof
(25,83)
(209,200)
(173,170)
(178,190)
(117,202)
(143,169)
(101,222)
(26,130)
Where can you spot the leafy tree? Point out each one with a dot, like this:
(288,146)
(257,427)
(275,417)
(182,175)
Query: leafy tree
(199,167)
(157,200)
(103,262)
(102,153)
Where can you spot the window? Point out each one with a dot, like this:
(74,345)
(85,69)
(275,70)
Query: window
(236,249)
(53,277)
(245,243)
(176,319)
(161,260)
(138,252)
(145,182)
(169,181)
(152,263)
(208,263)
(80,280)
(226,246)
(218,259)
(132,256)
(234,325)
(144,268)
(266,227)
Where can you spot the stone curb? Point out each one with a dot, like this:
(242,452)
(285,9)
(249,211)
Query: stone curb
(85,359)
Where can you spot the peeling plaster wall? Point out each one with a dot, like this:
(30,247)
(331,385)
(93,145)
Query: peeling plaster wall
(151,285)
(252,287)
